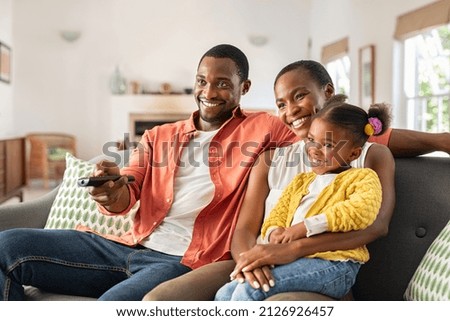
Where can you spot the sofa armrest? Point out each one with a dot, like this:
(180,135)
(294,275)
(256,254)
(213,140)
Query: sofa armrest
(32,213)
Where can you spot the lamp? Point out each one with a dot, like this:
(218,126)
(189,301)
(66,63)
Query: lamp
(70,35)
(258,40)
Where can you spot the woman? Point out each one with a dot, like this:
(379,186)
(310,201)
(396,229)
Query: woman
(301,89)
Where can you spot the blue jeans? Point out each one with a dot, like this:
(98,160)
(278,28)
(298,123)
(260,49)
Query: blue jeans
(79,263)
(332,278)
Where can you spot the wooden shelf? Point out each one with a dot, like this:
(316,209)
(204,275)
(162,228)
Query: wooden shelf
(12,168)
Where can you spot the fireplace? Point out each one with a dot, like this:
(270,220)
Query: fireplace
(139,122)
(132,114)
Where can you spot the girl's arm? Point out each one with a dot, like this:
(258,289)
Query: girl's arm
(282,211)
(360,206)
(380,159)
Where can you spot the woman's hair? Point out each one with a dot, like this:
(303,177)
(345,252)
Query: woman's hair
(232,52)
(315,69)
(357,121)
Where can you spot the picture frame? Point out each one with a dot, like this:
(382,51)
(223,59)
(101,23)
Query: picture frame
(367,75)
(5,63)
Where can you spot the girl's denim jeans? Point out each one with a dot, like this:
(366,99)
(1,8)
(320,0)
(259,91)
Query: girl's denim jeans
(79,263)
(332,278)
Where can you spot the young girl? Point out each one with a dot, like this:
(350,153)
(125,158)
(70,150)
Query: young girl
(334,197)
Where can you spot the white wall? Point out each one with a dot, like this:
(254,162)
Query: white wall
(62,86)
(6,100)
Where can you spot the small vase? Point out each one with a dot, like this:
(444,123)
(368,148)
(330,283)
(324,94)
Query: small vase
(117,83)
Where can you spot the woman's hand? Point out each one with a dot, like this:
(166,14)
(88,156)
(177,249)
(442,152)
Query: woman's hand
(254,265)
(259,278)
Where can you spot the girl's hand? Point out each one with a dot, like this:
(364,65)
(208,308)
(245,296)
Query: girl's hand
(288,234)
(277,235)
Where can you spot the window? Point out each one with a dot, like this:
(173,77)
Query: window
(339,71)
(424,36)
(337,62)
(427,80)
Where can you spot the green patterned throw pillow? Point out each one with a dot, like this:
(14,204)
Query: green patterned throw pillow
(73,205)
(431,281)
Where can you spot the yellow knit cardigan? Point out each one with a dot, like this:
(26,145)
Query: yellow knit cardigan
(350,202)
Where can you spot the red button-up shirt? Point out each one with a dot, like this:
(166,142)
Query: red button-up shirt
(232,153)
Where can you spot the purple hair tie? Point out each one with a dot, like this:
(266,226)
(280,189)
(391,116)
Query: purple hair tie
(376,124)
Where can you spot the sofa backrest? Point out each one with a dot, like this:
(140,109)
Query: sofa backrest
(422,210)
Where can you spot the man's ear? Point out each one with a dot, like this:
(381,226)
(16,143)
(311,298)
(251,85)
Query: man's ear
(246,86)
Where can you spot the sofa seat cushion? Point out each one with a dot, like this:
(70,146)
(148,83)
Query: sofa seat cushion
(35,294)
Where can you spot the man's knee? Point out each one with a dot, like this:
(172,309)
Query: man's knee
(11,240)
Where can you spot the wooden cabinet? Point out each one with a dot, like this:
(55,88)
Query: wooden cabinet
(12,168)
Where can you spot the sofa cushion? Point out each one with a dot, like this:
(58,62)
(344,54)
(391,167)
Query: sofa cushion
(35,294)
(73,206)
(431,281)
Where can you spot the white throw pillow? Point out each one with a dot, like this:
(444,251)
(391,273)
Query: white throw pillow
(431,281)
(73,205)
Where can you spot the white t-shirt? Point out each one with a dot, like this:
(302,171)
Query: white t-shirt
(193,191)
(318,223)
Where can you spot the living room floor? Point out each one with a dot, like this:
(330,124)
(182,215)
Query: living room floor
(33,190)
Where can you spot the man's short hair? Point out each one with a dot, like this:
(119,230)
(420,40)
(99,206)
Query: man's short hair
(232,52)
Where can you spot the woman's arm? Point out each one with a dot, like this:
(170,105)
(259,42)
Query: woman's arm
(410,143)
(251,214)
(380,159)
(250,219)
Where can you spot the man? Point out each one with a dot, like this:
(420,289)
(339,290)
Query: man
(190,177)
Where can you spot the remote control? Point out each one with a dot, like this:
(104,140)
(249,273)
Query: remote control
(100,180)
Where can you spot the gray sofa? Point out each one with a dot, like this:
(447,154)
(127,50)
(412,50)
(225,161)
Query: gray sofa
(422,210)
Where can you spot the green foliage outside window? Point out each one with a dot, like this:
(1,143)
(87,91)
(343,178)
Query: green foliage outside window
(433,79)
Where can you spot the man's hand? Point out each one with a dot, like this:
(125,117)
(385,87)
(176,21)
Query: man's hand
(114,196)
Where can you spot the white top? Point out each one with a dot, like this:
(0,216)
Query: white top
(193,191)
(318,223)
